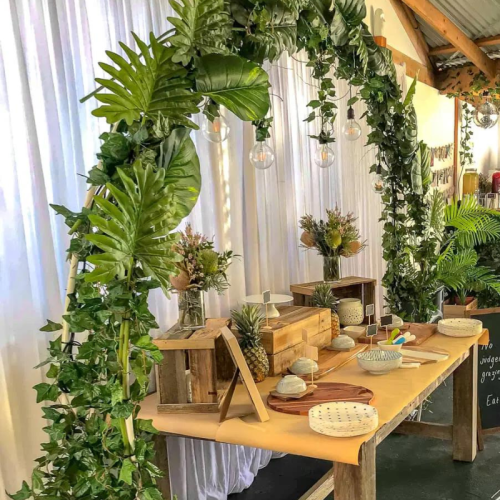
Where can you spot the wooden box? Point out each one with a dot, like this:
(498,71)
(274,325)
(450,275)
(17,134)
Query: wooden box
(453,311)
(351,287)
(195,371)
(279,363)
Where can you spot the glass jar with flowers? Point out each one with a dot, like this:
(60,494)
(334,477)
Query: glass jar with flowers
(201,268)
(334,238)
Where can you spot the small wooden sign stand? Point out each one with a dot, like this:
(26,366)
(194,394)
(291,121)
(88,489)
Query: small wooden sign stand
(243,372)
(266,298)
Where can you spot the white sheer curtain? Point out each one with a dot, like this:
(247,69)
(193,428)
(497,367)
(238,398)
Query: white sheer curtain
(49,50)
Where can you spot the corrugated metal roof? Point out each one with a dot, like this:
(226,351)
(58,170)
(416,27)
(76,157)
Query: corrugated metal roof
(476,18)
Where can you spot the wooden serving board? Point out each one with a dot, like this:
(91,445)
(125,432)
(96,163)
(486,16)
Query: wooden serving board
(328,361)
(421,330)
(325,392)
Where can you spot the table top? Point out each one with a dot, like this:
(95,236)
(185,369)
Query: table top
(292,434)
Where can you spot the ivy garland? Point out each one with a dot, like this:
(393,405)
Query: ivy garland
(148,180)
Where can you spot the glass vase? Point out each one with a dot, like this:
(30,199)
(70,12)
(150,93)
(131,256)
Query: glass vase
(191,309)
(331,269)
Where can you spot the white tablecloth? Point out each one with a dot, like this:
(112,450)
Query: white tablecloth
(203,470)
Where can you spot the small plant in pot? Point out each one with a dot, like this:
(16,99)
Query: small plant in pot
(323,297)
(201,268)
(249,322)
(334,238)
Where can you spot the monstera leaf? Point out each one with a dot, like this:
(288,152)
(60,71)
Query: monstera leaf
(182,169)
(348,14)
(202,25)
(322,8)
(239,85)
(155,86)
(138,229)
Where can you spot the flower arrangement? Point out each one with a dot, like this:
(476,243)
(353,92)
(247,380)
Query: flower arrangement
(201,267)
(337,236)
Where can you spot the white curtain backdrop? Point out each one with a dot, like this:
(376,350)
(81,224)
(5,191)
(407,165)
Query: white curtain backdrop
(49,54)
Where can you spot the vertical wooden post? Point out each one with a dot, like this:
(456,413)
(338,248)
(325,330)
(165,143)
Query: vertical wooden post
(161,461)
(357,482)
(465,408)
(456,142)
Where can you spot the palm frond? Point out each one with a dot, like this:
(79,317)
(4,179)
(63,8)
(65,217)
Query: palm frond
(436,213)
(482,278)
(454,268)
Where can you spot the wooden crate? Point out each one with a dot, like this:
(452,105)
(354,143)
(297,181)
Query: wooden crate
(351,287)
(279,363)
(453,311)
(321,340)
(204,356)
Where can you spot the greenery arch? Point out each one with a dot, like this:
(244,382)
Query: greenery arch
(148,179)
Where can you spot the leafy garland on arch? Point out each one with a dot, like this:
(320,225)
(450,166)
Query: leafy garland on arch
(148,179)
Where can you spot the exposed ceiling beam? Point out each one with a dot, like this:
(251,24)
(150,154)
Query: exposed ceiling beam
(411,27)
(437,20)
(414,68)
(480,42)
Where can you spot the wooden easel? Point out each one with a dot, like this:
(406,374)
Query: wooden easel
(243,372)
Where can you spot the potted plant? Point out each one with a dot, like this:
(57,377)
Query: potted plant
(334,238)
(323,297)
(201,268)
(249,322)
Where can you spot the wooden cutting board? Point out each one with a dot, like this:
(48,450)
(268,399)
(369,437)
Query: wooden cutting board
(328,361)
(326,392)
(421,330)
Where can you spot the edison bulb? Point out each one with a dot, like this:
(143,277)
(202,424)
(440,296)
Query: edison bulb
(324,156)
(486,115)
(261,156)
(378,184)
(352,130)
(215,131)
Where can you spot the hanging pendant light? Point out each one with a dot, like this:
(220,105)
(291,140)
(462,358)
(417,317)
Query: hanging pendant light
(261,156)
(486,115)
(216,130)
(378,184)
(324,156)
(351,129)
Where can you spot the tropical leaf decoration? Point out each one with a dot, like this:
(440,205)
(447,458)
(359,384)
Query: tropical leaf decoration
(139,227)
(177,155)
(421,176)
(348,14)
(239,85)
(436,212)
(203,27)
(154,87)
(356,38)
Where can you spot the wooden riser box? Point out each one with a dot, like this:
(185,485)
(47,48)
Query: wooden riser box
(453,311)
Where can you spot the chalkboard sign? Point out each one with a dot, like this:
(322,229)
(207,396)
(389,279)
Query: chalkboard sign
(489,369)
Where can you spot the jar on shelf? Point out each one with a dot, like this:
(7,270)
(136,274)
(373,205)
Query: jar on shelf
(471,182)
(495,181)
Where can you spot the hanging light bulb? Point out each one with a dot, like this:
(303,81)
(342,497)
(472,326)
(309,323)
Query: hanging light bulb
(216,130)
(351,129)
(324,156)
(378,183)
(486,115)
(261,156)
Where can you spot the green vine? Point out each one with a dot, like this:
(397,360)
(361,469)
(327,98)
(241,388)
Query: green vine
(149,179)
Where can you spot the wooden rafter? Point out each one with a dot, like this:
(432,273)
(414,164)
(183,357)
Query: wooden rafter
(412,29)
(446,28)
(480,42)
(414,68)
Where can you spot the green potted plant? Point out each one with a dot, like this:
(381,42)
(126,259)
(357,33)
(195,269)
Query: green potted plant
(201,269)
(323,297)
(334,238)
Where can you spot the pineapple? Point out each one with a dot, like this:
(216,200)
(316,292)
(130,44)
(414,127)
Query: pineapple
(248,323)
(323,297)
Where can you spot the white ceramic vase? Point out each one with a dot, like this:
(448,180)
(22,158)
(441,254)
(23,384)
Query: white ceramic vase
(350,312)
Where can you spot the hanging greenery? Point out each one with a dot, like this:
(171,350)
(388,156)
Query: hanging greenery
(148,179)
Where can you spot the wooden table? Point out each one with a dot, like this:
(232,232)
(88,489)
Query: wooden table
(352,482)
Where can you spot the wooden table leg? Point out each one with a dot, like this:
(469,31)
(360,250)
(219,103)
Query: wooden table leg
(161,461)
(357,482)
(321,489)
(465,408)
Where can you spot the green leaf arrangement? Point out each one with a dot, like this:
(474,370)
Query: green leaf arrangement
(203,27)
(239,85)
(138,229)
(156,86)
(348,14)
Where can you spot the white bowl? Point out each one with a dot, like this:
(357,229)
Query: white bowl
(354,331)
(379,362)
(291,384)
(343,419)
(460,327)
(304,366)
(389,347)
(342,342)
(397,322)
